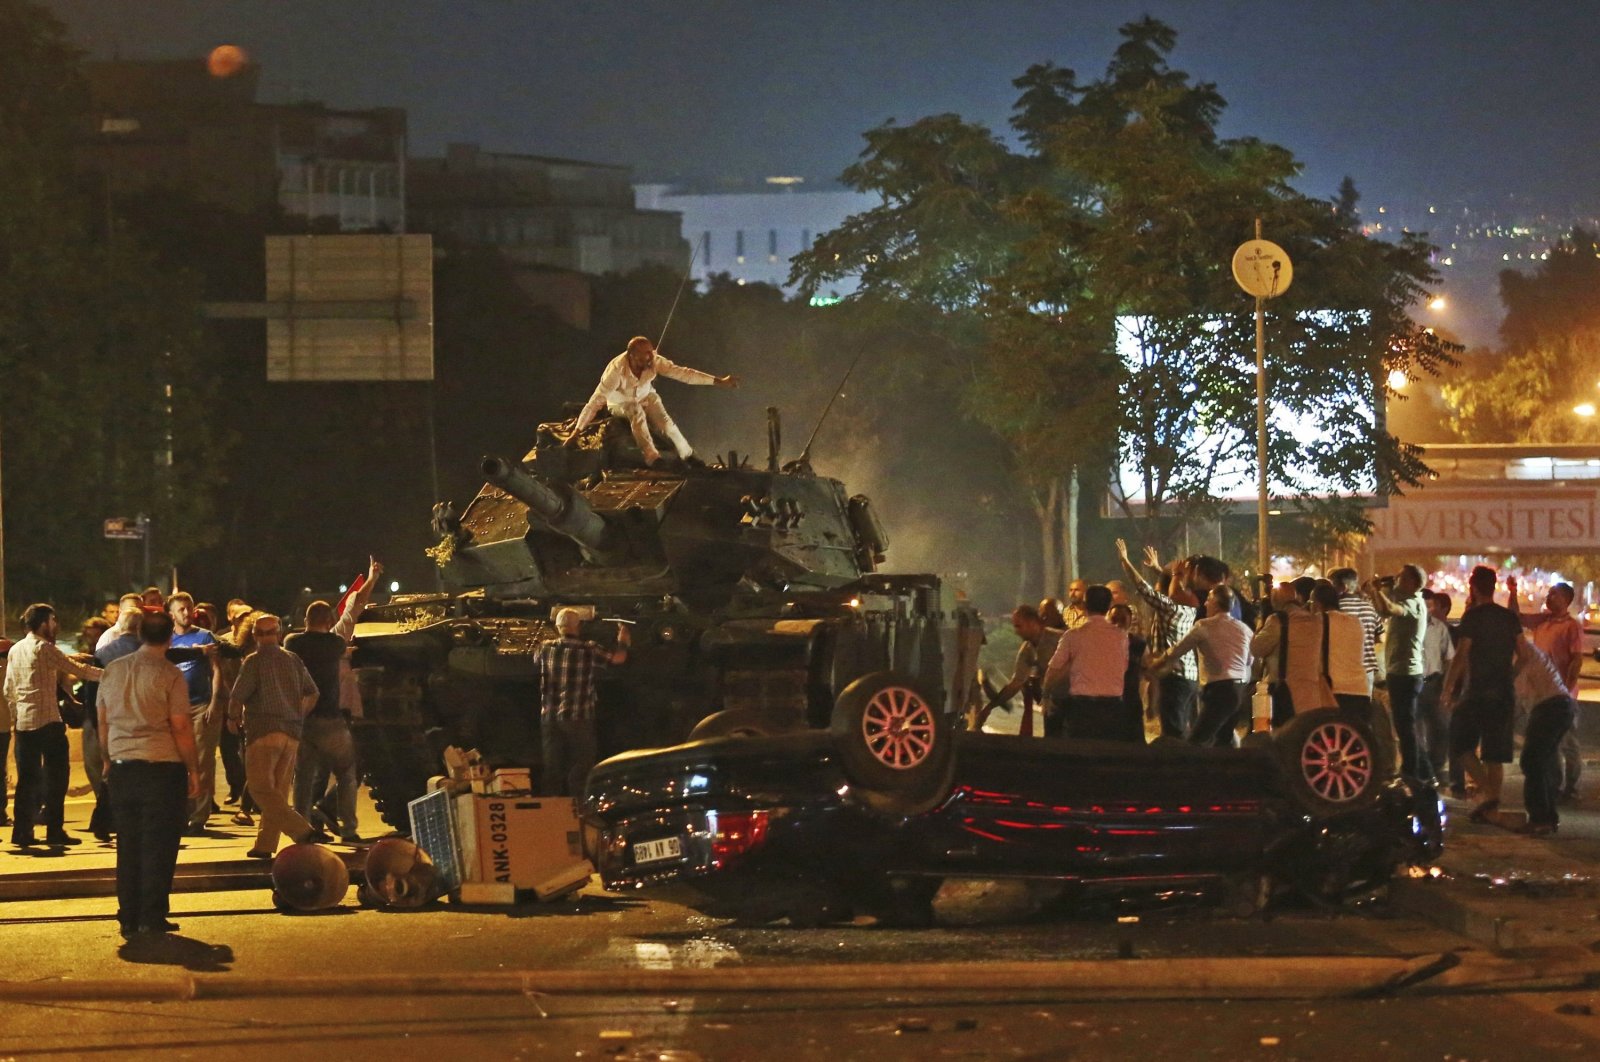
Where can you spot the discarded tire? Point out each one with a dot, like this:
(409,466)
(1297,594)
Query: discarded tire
(308,877)
(398,874)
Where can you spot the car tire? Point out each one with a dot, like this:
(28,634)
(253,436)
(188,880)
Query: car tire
(1331,761)
(734,722)
(894,743)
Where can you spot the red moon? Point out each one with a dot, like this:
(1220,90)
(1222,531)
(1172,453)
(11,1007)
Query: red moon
(226,60)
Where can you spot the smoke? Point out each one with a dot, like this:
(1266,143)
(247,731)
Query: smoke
(938,482)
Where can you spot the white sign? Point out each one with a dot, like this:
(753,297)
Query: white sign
(1262,268)
(1489,519)
(349,308)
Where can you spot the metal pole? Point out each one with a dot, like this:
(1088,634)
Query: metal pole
(1263,554)
(433,463)
(144,525)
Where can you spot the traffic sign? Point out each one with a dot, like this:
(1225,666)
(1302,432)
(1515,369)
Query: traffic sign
(124,527)
(1262,269)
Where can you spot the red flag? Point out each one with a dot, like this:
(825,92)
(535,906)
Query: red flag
(355,588)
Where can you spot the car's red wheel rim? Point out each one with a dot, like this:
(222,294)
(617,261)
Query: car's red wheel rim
(1337,762)
(898,726)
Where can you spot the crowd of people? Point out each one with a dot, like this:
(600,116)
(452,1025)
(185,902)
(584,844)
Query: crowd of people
(163,687)
(1176,644)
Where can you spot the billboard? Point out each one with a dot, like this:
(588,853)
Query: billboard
(349,308)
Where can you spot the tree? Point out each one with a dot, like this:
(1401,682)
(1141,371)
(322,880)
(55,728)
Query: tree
(1090,267)
(103,402)
(1549,358)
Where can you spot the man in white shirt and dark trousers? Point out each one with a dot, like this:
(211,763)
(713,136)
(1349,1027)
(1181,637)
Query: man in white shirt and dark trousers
(1092,659)
(1399,602)
(1438,646)
(34,669)
(1543,691)
(153,771)
(1224,647)
(627,390)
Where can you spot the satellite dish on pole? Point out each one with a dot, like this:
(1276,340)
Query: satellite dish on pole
(1262,268)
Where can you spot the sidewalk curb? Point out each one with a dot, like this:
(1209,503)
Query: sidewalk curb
(211,876)
(1458,908)
(1441,903)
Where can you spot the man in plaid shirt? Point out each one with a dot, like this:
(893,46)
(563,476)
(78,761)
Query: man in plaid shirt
(567,670)
(1178,690)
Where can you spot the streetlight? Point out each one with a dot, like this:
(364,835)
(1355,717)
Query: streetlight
(1397,379)
(1584,409)
(1437,303)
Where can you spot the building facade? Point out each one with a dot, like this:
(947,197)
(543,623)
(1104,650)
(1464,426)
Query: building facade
(172,124)
(752,236)
(542,211)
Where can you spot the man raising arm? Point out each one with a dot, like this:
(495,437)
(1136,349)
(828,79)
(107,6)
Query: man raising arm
(627,389)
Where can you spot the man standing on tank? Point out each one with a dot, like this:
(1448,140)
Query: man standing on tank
(627,389)
(568,669)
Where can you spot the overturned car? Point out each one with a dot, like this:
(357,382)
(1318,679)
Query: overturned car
(872,815)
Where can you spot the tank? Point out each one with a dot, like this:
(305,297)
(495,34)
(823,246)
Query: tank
(753,593)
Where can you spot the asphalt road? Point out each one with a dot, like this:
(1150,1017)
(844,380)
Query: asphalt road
(238,936)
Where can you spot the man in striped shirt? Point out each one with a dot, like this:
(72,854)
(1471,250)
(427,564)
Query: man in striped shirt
(1179,689)
(568,696)
(1351,601)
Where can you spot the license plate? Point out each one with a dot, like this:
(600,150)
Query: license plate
(655,851)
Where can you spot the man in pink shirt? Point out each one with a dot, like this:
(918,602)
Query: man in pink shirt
(1091,661)
(1559,635)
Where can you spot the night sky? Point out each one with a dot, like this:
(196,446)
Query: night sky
(1420,102)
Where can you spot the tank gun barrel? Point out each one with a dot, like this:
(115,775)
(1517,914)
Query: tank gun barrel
(558,507)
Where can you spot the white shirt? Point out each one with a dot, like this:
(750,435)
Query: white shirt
(619,387)
(1537,680)
(139,695)
(1094,657)
(1223,645)
(33,672)
(1347,654)
(1437,648)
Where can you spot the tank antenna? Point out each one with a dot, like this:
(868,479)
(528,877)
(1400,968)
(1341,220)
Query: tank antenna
(688,270)
(804,460)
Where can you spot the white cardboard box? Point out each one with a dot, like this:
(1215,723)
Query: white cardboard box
(522,842)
